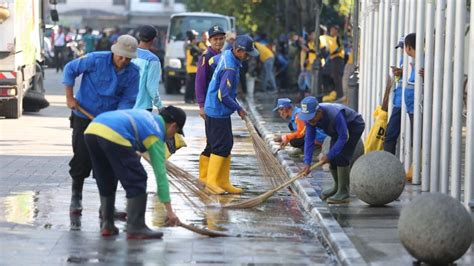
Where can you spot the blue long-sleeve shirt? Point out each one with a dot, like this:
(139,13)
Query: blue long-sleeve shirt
(220,99)
(335,121)
(225,88)
(340,125)
(150,73)
(103,88)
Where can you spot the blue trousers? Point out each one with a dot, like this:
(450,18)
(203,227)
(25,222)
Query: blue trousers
(219,135)
(355,129)
(393,130)
(207,150)
(112,163)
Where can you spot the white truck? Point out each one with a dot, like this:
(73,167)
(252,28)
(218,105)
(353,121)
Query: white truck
(21,59)
(174,63)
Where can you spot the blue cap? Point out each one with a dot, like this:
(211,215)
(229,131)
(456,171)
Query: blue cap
(245,43)
(282,103)
(309,106)
(401,42)
(215,30)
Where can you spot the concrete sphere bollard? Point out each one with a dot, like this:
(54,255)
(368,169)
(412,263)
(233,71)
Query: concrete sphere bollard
(377,178)
(359,150)
(435,228)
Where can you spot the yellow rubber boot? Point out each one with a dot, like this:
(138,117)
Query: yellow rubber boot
(213,174)
(203,165)
(331,97)
(409,174)
(224,180)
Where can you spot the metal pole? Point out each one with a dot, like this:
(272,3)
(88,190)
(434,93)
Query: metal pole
(428,96)
(393,33)
(363,51)
(420,35)
(370,66)
(392,40)
(386,45)
(469,174)
(447,97)
(458,91)
(401,54)
(377,60)
(353,81)
(364,89)
(437,95)
(411,27)
(317,62)
(363,20)
(355,33)
(379,67)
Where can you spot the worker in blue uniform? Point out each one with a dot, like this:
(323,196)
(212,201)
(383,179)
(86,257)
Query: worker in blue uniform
(109,82)
(113,138)
(344,126)
(220,104)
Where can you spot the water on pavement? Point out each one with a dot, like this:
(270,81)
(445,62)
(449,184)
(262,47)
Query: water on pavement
(35,227)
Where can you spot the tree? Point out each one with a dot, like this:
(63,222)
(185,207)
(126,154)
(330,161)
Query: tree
(274,17)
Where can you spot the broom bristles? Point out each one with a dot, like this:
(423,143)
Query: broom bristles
(263,197)
(268,163)
(185,179)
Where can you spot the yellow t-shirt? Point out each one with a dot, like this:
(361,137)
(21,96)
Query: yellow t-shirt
(264,51)
(190,68)
(203,45)
(332,46)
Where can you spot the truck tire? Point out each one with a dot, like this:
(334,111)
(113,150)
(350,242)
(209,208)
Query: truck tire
(34,99)
(172,85)
(11,109)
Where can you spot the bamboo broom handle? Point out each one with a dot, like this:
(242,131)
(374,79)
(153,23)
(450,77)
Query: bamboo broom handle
(300,174)
(83,111)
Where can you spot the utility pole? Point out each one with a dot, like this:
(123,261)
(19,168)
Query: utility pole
(317,63)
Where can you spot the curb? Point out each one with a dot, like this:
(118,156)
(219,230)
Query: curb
(333,233)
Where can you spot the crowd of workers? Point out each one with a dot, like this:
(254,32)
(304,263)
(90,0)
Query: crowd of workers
(283,65)
(120,89)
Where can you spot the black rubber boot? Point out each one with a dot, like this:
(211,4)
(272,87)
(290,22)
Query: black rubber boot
(136,227)
(76,196)
(330,191)
(107,208)
(118,215)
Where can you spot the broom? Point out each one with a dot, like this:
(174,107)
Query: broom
(268,163)
(263,197)
(189,180)
(189,227)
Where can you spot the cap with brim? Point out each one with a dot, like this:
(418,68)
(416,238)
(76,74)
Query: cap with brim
(246,43)
(309,106)
(174,114)
(401,42)
(253,53)
(282,103)
(125,46)
(215,30)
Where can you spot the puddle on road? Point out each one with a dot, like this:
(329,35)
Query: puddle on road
(19,208)
(279,217)
(279,222)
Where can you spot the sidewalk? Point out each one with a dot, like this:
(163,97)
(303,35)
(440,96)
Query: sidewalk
(357,233)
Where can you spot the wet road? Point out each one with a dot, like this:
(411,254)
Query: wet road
(35,227)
